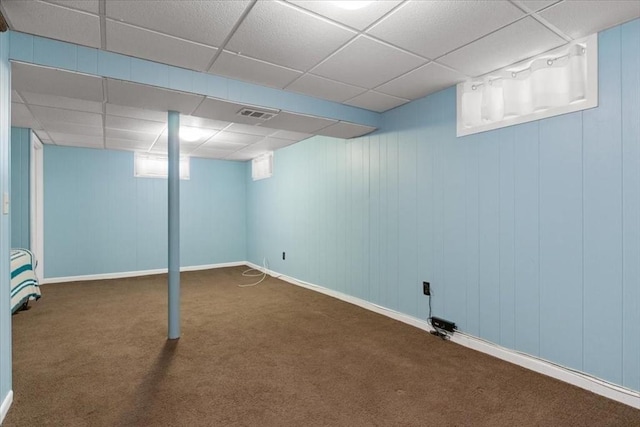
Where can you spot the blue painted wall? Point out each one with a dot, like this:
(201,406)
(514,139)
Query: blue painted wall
(530,235)
(99,218)
(5,226)
(20,190)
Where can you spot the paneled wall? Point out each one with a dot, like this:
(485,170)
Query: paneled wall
(530,235)
(99,218)
(5,226)
(20,190)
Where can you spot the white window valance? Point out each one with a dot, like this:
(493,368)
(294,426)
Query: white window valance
(558,82)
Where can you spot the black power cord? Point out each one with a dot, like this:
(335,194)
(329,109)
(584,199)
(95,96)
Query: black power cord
(436,331)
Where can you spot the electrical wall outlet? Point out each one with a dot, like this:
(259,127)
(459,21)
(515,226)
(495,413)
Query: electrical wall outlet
(426,288)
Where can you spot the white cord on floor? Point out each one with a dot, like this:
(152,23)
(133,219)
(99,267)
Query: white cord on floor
(253,272)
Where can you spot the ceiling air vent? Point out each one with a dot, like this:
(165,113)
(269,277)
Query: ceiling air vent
(256,114)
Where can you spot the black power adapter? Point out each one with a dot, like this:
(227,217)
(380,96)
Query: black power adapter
(442,324)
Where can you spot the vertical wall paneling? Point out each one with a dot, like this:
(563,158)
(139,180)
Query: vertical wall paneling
(472,242)
(454,231)
(561,231)
(488,230)
(391,225)
(602,165)
(5,225)
(363,265)
(526,254)
(329,174)
(383,213)
(356,218)
(408,289)
(342,201)
(20,187)
(99,218)
(506,239)
(374,219)
(529,235)
(424,209)
(630,79)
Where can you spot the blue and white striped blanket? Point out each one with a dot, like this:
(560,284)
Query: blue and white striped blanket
(24,283)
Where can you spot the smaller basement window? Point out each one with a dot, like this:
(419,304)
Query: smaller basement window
(157,166)
(262,167)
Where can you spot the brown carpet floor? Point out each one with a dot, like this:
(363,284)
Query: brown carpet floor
(95,354)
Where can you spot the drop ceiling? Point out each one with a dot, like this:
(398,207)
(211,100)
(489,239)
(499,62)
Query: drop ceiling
(378,57)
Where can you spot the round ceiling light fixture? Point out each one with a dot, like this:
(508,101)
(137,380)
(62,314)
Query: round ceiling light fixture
(190,134)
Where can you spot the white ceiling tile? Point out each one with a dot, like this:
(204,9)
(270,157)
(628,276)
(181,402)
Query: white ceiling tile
(126,144)
(294,136)
(132,124)
(131,135)
(15,97)
(323,88)
(346,130)
(154,46)
(207,22)
(90,6)
(49,81)
(427,79)
(161,146)
(237,138)
(502,48)
(353,64)
(241,67)
(62,102)
(52,21)
(21,117)
(210,153)
(376,101)
(299,122)
(150,97)
(284,35)
(250,129)
(244,155)
(77,140)
(218,109)
(137,113)
(536,5)
(433,28)
(358,18)
(582,18)
(199,122)
(74,128)
(212,144)
(46,115)
(271,144)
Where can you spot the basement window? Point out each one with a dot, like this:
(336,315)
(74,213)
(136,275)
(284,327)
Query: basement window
(560,81)
(262,167)
(148,165)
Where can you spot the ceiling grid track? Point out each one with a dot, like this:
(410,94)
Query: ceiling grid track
(102,11)
(230,35)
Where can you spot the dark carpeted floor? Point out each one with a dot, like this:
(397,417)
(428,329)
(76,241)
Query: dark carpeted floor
(95,354)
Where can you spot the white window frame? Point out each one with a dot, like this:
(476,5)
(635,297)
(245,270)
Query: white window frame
(590,101)
(148,165)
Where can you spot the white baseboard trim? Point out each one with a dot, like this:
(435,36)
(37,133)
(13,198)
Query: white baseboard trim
(125,274)
(576,378)
(6,404)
